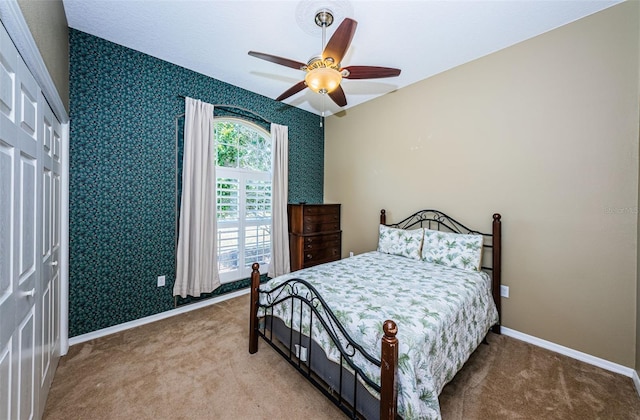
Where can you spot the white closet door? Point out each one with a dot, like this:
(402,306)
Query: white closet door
(29,229)
(49,303)
(8,216)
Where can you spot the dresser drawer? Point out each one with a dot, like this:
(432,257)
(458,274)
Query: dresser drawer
(321,241)
(321,255)
(314,218)
(321,218)
(328,209)
(319,226)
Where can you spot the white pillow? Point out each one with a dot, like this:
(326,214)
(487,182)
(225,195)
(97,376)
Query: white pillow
(406,243)
(455,250)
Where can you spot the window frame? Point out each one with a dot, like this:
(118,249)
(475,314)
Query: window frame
(242,175)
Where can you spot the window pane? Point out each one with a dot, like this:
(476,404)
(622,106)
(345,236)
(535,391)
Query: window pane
(258,199)
(225,132)
(227,156)
(227,248)
(228,199)
(257,152)
(226,144)
(241,146)
(257,244)
(243,197)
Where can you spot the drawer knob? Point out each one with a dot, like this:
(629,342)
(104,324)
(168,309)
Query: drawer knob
(309,256)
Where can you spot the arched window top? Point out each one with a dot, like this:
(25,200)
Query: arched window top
(241,144)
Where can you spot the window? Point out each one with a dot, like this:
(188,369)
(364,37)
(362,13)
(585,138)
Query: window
(243,196)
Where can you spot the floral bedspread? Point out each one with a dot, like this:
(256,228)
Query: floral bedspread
(442,315)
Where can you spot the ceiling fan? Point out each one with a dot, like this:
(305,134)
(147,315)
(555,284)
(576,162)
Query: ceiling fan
(324,73)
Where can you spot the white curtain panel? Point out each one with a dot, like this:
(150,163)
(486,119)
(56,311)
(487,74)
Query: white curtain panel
(197,265)
(280,263)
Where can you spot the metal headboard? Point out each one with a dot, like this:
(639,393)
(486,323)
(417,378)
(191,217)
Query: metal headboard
(437,220)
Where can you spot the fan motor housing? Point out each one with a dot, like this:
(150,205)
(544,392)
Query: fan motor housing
(317,62)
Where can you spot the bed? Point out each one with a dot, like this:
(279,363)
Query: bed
(381,333)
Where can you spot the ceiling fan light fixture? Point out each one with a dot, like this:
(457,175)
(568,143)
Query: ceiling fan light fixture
(324,72)
(323,79)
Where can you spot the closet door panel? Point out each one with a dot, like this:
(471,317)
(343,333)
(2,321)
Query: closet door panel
(26,372)
(30,188)
(8,222)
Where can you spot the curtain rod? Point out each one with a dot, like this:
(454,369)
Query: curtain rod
(237,107)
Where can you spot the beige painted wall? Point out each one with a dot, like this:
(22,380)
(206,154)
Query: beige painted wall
(638,282)
(48,25)
(544,132)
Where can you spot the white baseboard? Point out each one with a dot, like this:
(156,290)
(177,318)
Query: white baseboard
(162,315)
(636,381)
(583,357)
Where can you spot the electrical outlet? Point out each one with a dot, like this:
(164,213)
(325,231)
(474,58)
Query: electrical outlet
(504,291)
(351,254)
(161,280)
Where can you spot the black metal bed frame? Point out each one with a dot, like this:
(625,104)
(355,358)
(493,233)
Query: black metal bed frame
(346,345)
(309,298)
(439,219)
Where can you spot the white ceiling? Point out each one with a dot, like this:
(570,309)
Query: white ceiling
(421,37)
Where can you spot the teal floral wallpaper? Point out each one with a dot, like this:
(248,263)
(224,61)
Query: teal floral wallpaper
(122,210)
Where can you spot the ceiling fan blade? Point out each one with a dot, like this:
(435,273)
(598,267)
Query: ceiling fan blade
(370,72)
(278,60)
(292,90)
(338,96)
(340,40)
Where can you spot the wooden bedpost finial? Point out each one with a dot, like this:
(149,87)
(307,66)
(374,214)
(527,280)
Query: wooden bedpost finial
(383,217)
(497,217)
(390,329)
(255,267)
(389,371)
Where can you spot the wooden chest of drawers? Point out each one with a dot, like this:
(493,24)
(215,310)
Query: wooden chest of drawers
(314,234)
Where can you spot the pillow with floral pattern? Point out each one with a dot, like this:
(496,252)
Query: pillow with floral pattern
(406,243)
(455,250)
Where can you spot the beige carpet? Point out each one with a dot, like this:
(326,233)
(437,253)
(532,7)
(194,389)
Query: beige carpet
(196,366)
